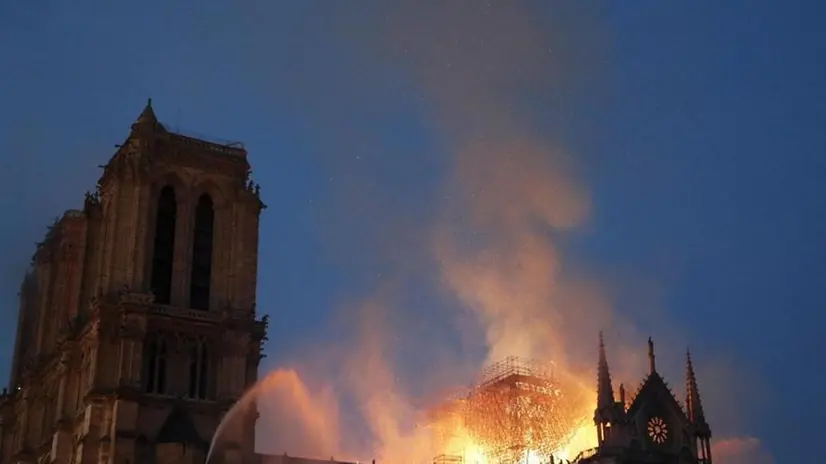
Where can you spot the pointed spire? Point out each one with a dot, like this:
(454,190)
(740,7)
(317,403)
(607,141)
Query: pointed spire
(148,114)
(147,121)
(693,404)
(652,365)
(605,391)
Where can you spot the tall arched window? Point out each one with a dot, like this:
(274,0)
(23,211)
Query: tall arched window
(164,249)
(154,364)
(202,254)
(150,363)
(198,370)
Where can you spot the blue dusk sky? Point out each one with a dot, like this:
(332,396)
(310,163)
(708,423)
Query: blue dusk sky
(453,182)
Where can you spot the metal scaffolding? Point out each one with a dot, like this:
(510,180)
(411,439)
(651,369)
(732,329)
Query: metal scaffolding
(447,459)
(517,406)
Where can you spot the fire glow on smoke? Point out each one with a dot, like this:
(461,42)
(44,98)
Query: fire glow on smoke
(519,412)
(507,191)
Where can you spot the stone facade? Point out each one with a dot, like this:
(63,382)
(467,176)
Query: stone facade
(137,326)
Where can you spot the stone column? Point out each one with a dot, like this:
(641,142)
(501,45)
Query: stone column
(63,374)
(109,206)
(62,443)
(44,298)
(24,418)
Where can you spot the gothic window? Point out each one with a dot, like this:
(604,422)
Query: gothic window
(164,246)
(193,370)
(155,353)
(203,375)
(657,430)
(202,254)
(198,370)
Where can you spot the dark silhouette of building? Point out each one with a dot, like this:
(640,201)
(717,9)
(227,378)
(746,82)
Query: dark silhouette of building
(137,327)
(653,428)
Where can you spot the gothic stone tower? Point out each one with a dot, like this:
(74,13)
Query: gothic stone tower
(137,328)
(654,428)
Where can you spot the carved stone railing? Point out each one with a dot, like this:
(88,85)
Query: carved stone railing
(189,138)
(146,300)
(136,298)
(183,312)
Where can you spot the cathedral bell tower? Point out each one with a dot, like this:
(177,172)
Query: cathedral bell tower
(138,325)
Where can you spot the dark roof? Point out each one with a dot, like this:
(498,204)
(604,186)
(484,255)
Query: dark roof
(179,428)
(654,388)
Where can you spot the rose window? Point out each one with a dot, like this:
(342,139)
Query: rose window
(657,430)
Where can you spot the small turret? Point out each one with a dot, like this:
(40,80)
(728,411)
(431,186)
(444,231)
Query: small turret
(694,410)
(608,413)
(147,122)
(693,404)
(147,116)
(605,391)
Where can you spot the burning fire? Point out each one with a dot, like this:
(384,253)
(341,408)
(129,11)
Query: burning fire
(469,452)
(519,412)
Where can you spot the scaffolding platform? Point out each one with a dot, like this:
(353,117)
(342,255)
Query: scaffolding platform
(513,368)
(448,459)
(516,406)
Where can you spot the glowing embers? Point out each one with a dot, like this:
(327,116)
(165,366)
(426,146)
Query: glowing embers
(519,412)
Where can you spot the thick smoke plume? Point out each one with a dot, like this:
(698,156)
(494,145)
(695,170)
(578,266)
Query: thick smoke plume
(489,241)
